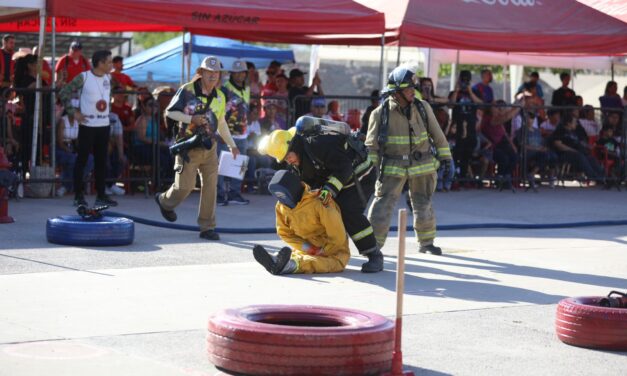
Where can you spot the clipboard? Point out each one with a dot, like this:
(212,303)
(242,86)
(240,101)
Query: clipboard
(232,168)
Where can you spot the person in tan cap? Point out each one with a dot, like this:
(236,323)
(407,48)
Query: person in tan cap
(199,108)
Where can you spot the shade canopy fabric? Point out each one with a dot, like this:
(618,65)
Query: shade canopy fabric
(162,63)
(565,26)
(547,26)
(283,17)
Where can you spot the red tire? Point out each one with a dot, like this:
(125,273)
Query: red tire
(300,340)
(582,322)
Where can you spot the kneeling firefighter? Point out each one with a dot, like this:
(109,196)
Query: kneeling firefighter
(406,142)
(331,160)
(314,230)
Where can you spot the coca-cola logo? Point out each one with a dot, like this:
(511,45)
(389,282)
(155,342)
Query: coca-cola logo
(517,3)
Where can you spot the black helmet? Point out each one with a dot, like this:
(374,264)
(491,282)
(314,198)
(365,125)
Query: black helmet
(399,79)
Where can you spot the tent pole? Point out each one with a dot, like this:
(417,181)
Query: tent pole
(427,71)
(53,101)
(37,117)
(454,72)
(612,66)
(398,54)
(504,82)
(189,56)
(183,59)
(381,60)
(572,78)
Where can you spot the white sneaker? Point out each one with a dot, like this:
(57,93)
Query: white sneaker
(61,191)
(108,191)
(118,191)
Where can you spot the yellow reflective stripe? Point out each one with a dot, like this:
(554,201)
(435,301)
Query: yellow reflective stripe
(362,234)
(394,170)
(363,166)
(421,169)
(374,157)
(424,136)
(444,152)
(381,239)
(297,262)
(335,183)
(404,140)
(426,235)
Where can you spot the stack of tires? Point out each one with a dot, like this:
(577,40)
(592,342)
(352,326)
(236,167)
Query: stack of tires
(300,340)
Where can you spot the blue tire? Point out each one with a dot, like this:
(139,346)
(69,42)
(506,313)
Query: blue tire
(74,230)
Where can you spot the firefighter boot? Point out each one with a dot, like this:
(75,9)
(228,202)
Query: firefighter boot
(279,264)
(430,248)
(374,264)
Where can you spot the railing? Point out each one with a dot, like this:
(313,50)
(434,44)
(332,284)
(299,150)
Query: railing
(153,168)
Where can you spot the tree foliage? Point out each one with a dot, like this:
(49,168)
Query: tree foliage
(148,40)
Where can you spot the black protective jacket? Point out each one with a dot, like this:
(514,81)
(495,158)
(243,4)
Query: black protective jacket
(327,161)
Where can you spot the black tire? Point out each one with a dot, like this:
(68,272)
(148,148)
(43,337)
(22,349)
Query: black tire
(74,230)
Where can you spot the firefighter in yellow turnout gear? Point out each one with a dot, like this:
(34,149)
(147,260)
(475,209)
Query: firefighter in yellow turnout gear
(403,134)
(314,231)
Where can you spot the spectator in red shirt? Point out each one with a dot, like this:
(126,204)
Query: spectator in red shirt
(120,107)
(71,64)
(122,79)
(7,65)
(273,70)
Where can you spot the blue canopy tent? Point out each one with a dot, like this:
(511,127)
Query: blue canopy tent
(162,63)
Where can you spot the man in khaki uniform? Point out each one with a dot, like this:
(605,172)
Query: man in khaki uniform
(198,103)
(402,134)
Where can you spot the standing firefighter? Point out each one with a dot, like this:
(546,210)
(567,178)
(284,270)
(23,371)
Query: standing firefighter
(406,142)
(329,160)
(199,108)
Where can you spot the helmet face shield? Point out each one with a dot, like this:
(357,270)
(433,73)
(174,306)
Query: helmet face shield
(287,188)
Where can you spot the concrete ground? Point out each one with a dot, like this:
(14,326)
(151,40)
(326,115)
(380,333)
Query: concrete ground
(486,307)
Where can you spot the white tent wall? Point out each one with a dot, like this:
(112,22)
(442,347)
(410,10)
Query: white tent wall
(515,79)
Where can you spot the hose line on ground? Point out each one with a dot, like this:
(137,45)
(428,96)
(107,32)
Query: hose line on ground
(469,226)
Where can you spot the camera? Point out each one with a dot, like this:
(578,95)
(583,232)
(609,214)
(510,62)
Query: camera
(464,79)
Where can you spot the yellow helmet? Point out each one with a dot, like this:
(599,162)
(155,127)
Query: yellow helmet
(277,143)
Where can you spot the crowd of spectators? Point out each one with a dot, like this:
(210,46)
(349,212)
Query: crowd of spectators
(565,139)
(487,136)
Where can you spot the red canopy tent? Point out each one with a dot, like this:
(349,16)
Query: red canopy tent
(565,26)
(281,18)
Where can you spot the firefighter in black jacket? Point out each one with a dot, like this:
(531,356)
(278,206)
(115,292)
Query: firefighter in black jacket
(329,163)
